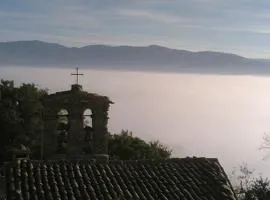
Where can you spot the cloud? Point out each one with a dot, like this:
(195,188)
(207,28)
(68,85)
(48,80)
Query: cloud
(150,15)
(194,24)
(46,23)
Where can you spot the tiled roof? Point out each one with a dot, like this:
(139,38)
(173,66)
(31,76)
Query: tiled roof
(172,179)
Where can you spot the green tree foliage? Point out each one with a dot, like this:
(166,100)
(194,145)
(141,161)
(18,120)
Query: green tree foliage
(20,117)
(258,190)
(127,147)
(251,188)
(10,119)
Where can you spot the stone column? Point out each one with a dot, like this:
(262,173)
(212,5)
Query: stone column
(76,133)
(100,134)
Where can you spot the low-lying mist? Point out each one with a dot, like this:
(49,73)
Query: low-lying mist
(223,116)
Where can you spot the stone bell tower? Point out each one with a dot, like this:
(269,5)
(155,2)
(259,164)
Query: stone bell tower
(68,132)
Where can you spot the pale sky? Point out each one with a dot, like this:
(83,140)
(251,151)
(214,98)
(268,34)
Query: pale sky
(234,26)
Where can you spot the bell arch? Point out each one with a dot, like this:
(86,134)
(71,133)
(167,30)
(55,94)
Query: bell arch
(88,131)
(62,130)
(87,118)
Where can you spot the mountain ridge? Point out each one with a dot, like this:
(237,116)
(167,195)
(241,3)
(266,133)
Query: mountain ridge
(29,42)
(151,57)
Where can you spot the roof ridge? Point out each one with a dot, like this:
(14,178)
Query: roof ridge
(94,161)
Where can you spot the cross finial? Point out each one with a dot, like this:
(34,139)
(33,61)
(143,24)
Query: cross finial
(77,75)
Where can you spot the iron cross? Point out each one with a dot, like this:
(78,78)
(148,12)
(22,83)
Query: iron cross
(77,75)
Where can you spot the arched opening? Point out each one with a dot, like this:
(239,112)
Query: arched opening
(62,116)
(87,118)
(88,128)
(62,130)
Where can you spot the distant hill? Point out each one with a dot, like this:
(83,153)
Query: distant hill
(37,53)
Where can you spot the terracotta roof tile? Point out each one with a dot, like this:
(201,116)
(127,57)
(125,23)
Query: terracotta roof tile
(185,179)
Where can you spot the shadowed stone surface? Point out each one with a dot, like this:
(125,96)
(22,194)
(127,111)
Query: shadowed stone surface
(76,101)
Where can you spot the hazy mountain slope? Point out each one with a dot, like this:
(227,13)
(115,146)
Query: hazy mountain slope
(152,57)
